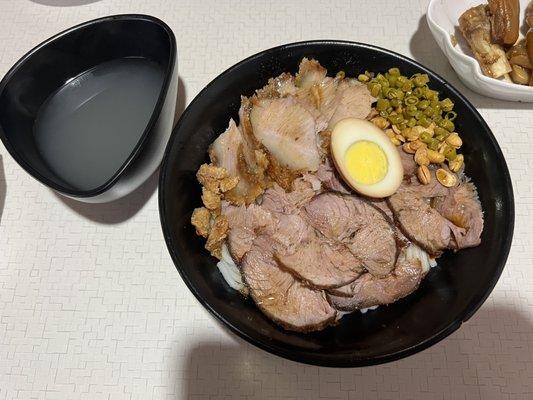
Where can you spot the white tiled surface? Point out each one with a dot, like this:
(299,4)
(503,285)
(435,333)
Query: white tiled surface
(91,306)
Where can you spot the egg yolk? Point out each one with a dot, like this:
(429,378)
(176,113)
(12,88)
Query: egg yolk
(366,162)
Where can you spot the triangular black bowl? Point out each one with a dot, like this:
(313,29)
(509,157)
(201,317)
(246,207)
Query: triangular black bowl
(40,73)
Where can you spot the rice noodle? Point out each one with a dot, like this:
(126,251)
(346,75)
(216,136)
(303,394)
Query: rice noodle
(230,271)
(413,252)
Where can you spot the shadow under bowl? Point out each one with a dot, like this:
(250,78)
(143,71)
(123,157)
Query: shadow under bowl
(447,297)
(88,69)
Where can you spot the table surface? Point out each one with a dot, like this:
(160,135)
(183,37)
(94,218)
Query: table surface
(91,306)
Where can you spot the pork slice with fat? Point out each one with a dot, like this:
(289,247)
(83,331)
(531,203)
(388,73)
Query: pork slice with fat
(280,296)
(278,200)
(303,251)
(310,73)
(331,179)
(368,291)
(322,263)
(461,206)
(351,99)
(244,224)
(420,222)
(224,152)
(287,130)
(357,224)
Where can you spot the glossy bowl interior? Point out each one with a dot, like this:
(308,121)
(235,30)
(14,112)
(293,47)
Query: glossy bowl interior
(449,295)
(46,68)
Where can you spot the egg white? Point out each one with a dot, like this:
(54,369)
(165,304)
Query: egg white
(350,130)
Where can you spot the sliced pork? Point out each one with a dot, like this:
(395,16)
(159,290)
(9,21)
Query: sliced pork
(330,178)
(299,248)
(288,132)
(244,224)
(383,206)
(334,98)
(461,206)
(310,73)
(280,296)
(355,223)
(408,163)
(368,290)
(291,234)
(322,263)
(420,222)
(252,160)
(277,200)
(224,152)
(352,99)
(280,86)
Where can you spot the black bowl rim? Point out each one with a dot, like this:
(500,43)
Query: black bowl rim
(344,360)
(142,140)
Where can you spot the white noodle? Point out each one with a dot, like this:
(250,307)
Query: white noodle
(415,252)
(230,271)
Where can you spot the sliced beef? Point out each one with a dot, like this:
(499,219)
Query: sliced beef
(288,132)
(355,223)
(461,206)
(368,290)
(420,222)
(280,296)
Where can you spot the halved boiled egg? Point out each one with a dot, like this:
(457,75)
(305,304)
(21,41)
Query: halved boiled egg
(366,158)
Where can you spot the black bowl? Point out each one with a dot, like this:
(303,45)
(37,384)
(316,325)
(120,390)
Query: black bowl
(448,296)
(58,60)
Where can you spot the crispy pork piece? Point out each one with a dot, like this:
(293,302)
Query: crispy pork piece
(217,236)
(518,55)
(201,220)
(505,21)
(529,37)
(474,24)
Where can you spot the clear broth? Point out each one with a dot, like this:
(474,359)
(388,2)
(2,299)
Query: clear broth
(87,129)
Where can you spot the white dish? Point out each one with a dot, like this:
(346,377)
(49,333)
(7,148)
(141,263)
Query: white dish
(442,17)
